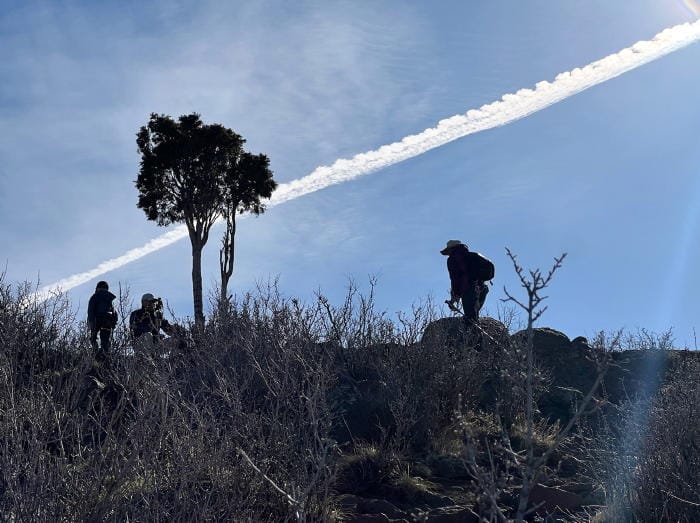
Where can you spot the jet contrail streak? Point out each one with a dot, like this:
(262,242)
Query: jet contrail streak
(510,108)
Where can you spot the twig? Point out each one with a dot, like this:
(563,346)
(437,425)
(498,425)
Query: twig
(681,499)
(290,499)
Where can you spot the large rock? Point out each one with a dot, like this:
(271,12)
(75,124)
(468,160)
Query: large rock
(548,344)
(567,364)
(451,331)
(443,331)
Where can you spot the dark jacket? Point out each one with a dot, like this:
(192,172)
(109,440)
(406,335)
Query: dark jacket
(100,309)
(458,267)
(142,321)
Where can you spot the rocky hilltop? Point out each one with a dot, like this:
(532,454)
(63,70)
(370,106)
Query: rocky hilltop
(436,486)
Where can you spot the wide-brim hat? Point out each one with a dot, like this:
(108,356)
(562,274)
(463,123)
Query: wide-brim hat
(451,244)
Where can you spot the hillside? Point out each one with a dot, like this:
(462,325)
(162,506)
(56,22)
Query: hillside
(282,411)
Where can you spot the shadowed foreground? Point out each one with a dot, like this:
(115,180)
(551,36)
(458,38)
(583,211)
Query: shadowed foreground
(282,411)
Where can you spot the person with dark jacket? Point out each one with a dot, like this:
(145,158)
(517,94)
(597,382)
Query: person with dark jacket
(102,317)
(464,284)
(149,319)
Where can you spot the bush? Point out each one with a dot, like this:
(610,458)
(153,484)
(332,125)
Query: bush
(235,424)
(277,408)
(649,451)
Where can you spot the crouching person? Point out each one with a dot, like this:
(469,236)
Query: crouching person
(147,323)
(469,271)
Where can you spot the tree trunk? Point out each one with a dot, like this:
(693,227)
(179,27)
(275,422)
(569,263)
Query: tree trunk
(197,284)
(226,256)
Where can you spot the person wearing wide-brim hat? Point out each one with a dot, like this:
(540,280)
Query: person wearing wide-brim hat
(451,244)
(464,285)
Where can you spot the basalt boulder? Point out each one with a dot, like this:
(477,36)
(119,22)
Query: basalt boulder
(451,331)
(568,367)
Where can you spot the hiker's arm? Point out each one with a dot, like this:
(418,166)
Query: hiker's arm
(453,270)
(91,311)
(132,324)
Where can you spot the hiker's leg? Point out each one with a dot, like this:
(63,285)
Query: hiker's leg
(93,337)
(483,291)
(105,339)
(469,303)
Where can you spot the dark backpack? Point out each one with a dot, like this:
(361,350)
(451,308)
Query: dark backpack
(105,315)
(107,320)
(480,267)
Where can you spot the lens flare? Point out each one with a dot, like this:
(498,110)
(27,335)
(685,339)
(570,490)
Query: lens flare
(693,6)
(682,262)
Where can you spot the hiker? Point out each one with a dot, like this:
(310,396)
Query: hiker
(102,317)
(148,321)
(468,273)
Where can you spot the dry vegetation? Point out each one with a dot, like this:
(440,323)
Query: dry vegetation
(283,411)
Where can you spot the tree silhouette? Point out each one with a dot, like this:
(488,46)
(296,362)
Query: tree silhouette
(189,170)
(245,185)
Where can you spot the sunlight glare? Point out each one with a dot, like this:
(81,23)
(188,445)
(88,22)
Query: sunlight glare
(692,6)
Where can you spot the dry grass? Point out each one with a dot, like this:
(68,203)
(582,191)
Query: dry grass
(240,423)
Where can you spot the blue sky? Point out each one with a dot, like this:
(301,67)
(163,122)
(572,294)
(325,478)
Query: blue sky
(611,176)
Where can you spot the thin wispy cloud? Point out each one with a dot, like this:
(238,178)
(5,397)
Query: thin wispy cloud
(509,108)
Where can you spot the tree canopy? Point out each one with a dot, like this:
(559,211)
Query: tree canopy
(195,173)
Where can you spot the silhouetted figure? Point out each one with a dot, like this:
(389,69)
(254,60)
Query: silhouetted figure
(468,273)
(102,318)
(148,321)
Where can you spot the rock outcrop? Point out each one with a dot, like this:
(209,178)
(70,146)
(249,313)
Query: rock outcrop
(569,370)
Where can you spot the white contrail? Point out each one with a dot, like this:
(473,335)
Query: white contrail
(510,108)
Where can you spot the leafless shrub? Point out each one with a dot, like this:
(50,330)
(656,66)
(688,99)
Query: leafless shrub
(240,422)
(646,453)
(510,463)
(165,434)
(235,426)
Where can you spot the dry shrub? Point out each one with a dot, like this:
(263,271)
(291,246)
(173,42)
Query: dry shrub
(235,424)
(239,422)
(647,456)
(163,437)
